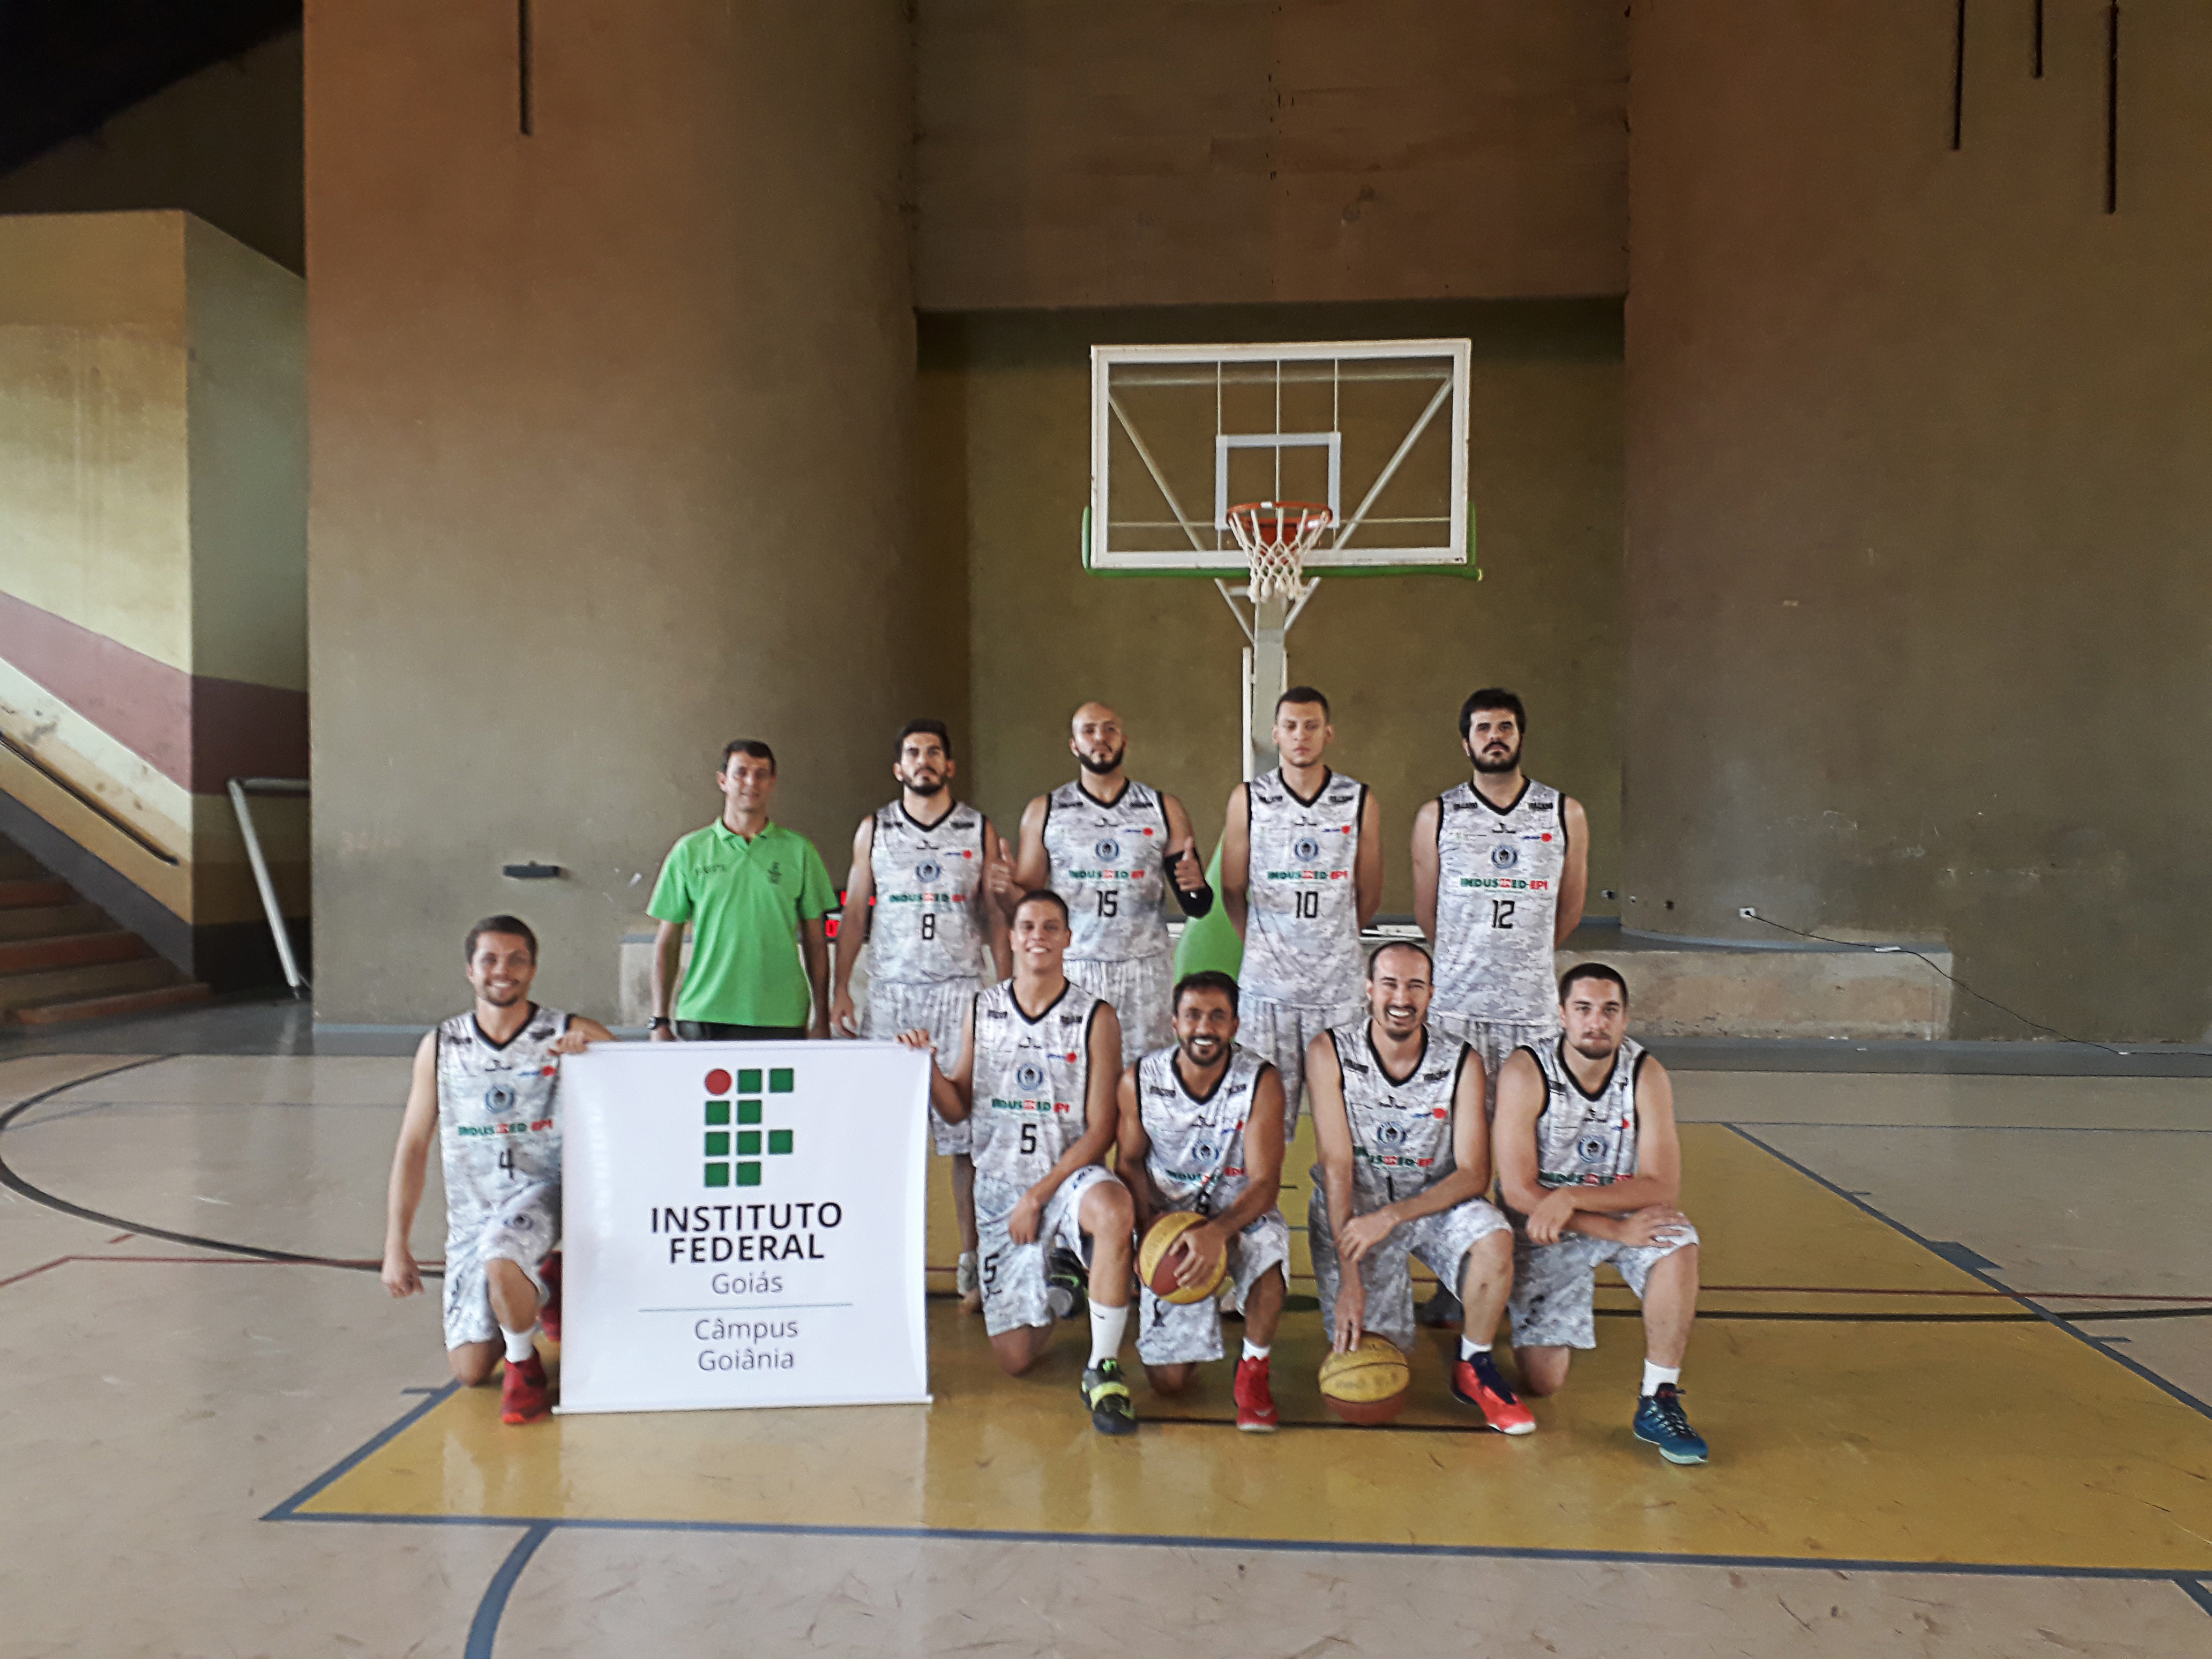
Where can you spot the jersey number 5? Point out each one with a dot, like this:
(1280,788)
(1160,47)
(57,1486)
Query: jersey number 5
(1028,1137)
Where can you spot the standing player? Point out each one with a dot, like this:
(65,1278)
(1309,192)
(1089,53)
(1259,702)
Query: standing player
(1035,1077)
(1591,1169)
(1112,847)
(1202,1130)
(487,1085)
(1405,1159)
(1302,874)
(922,861)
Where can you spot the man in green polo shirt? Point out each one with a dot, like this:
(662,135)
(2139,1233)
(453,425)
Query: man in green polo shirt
(748,888)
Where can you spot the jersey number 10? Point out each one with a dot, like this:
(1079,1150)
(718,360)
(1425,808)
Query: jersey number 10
(1309,901)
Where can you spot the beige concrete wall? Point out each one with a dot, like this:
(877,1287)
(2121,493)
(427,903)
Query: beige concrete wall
(1395,655)
(1155,152)
(223,144)
(611,438)
(1919,517)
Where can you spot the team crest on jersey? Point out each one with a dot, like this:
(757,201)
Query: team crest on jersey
(1591,1148)
(499,1097)
(1390,1134)
(1504,856)
(1029,1076)
(1108,850)
(1305,849)
(928,870)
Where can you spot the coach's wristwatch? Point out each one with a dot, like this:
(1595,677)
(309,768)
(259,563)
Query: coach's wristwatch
(659,1020)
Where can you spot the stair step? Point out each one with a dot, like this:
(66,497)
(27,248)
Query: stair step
(45,985)
(69,950)
(108,1007)
(53,920)
(14,894)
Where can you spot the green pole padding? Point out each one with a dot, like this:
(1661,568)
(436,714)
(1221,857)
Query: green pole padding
(1211,941)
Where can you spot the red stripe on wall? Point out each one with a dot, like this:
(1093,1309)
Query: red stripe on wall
(195,728)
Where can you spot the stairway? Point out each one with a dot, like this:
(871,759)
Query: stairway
(62,959)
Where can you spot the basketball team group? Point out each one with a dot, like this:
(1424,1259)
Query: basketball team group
(1118,1133)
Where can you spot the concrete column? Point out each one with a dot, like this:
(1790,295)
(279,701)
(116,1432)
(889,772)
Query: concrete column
(611,430)
(1919,524)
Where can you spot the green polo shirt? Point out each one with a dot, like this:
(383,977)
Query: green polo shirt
(744,900)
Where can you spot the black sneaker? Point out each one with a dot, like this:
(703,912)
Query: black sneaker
(1066,1285)
(1108,1396)
(1442,1309)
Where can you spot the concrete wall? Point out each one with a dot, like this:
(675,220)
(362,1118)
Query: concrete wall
(1009,395)
(1919,517)
(223,144)
(1152,152)
(611,446)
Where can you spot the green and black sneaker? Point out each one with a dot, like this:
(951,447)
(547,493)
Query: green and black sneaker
(1108,1396)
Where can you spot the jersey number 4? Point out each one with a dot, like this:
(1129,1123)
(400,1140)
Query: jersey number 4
(507,1159)
(1501,912)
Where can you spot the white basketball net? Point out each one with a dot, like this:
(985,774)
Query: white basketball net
(1276,536)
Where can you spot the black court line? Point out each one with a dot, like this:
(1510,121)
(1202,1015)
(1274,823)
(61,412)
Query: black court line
(2194,1590)
(2057,1321)
(483,1629)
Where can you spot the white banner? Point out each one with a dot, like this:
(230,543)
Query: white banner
(743,1225)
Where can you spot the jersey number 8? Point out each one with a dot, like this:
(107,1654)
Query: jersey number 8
(929,924)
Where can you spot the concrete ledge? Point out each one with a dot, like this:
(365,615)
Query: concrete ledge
(1718,991)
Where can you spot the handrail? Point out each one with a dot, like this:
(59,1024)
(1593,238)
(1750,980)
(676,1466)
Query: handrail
(85,797)
(240,789)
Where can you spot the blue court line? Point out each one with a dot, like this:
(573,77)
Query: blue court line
(435,1397)
(2194,1590)
(483,1629)
(2058,1321)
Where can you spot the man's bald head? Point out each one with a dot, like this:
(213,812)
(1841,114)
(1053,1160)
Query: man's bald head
(1095,735)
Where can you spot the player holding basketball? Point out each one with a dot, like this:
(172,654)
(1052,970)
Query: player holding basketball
(921,863)
(1591,1169)
(1202,1130)
(1405,1159)
(1114,848)
(1302,874)
(1035,1077)
(487,1085)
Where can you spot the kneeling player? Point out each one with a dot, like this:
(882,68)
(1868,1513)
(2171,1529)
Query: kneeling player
(1405,1159)
(1202,1130)
(1035,1079)
(1591,1168)
(487,1083)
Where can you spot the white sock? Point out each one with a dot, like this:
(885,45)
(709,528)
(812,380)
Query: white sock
(519,1346)
(1469,1348)
(1655,1374)
(1253,1351)
(1106,1325)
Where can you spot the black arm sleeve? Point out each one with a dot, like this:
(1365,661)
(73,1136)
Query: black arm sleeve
(1196,902)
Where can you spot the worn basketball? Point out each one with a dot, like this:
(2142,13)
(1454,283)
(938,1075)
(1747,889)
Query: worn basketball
(1157,1272)
(1369,1383)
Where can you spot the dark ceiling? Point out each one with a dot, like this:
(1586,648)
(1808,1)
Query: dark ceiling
(67,65)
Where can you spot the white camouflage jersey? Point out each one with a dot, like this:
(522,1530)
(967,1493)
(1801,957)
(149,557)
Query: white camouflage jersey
(499,1124)
(1197,1160)
(1032,1080)
(1402,1132)
(1301,907)
(1497,893)
(1582,1140)
(926,927)
(1106,861)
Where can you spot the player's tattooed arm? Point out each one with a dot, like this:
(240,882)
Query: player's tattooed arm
(1574,879)
(1236,856)
(1367,862)
(1033,869)
(853,929)
(410,1160)
(1186,871)
(1424,868)
(1332,1140)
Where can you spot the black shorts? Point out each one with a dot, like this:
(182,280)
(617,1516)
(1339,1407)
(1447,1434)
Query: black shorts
(709,1031)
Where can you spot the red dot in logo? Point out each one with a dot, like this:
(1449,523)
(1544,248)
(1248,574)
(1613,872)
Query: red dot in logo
(1547,834)
(718,1082)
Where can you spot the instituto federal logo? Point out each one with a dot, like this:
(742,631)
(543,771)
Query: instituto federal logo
(750,1132)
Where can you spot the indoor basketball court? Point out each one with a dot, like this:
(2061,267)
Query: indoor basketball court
(445,447)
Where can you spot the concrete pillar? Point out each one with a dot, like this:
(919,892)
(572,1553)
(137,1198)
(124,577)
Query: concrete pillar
(611,428)
(1919,525)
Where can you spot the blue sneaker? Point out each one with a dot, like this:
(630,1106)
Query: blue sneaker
(1661,1420)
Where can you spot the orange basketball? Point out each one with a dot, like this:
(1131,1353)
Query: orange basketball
(1368,1384)
(1157,1272)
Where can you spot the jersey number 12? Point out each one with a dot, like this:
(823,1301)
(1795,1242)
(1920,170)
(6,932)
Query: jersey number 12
(1501,912)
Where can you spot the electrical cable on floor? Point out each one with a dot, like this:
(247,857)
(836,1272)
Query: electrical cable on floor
(1750,914)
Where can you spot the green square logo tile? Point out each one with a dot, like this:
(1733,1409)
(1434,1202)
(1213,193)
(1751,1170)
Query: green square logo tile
(718,1111)
(749,1143)
(779,1141)
(748,1082)
(749,1111)
(717,1143)
(778,1080)
(718,1174)
(748,1175)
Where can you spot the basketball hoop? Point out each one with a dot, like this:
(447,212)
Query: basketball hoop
(1276,536)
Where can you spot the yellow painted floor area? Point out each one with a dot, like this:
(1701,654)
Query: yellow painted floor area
(2005,1444)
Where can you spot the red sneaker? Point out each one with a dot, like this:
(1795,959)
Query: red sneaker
(1476,1382)
(548,1312)
(524,1396)
(1255,1402)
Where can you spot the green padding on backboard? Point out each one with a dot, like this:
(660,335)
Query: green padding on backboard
(1211,941)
